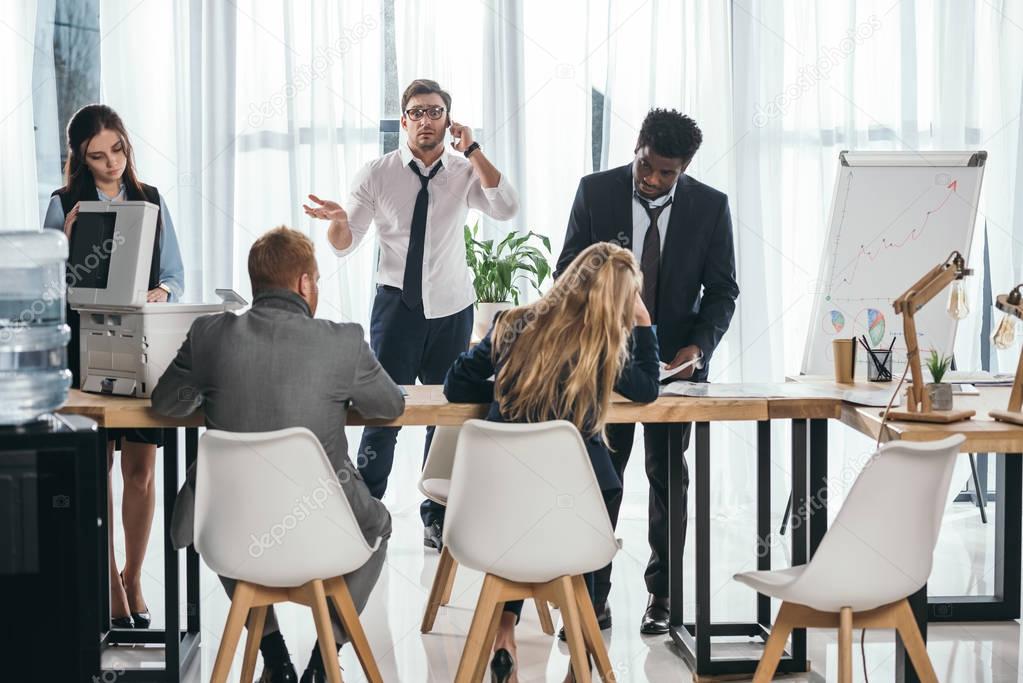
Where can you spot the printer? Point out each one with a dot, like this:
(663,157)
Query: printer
(125,343)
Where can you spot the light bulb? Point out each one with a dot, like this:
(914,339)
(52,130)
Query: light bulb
(1006,332)
(958,307)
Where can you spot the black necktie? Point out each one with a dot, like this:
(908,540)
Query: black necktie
(649,262)
(412,285)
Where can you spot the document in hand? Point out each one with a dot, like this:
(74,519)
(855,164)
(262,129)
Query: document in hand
(668,374)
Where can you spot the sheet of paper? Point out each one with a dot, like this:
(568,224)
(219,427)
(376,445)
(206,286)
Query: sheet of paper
(665,373)
(874,397)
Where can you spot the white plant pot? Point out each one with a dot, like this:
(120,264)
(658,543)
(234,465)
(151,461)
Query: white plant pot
(484,316)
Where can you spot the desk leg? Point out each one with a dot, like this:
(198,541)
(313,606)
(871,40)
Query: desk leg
(904,671)
(1008,531)
(764,515)
(1004,603)
(818,508)
(192,557)
(676,534)
(799,519)
(172,636)
(104,554)
(702,504)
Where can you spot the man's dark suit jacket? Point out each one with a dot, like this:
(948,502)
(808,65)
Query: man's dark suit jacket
(697,288)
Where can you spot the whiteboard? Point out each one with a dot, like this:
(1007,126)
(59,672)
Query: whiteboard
(894,216)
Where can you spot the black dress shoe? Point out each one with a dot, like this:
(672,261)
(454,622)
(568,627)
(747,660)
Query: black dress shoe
(501,666)
(603,620)
(433,536)
(655,619)
(283,672)
(121,622)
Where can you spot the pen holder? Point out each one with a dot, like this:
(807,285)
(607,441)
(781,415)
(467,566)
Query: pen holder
(879,365)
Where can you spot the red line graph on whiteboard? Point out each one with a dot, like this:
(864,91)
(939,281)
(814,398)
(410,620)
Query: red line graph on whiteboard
(838,279)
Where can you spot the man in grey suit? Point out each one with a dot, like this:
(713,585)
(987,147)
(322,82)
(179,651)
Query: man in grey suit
(274,367)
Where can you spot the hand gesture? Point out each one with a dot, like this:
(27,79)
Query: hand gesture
(69,220)
(327,210)
(641,316)
(462,136)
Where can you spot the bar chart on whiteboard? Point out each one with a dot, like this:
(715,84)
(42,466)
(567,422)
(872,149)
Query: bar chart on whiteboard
(894,216)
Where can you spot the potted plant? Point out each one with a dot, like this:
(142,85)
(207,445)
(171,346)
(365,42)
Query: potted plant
(497,268)
(940,393)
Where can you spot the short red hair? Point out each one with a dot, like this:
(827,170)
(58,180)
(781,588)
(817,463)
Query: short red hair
(279,258)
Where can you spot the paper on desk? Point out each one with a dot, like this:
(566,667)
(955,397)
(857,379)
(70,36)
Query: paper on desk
(979,378)
(874,396)
(666,373)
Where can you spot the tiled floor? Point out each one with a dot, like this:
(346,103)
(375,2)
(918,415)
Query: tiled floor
(981,653)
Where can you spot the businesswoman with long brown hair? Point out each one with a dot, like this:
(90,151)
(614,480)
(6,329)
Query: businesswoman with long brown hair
(100,167)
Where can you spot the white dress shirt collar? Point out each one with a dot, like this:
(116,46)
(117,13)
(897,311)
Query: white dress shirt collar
(407,156)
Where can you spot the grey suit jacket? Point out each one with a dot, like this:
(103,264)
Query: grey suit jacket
(275,367)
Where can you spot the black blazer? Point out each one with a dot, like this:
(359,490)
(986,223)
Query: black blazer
(469,381)
(697,288)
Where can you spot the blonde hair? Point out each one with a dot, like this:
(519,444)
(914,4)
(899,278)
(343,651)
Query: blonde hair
(561,356)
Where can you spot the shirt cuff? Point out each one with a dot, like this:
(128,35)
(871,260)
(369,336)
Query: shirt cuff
(501,190)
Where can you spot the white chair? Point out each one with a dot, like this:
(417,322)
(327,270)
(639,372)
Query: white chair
(526,510)
(435,483)
(249,526)
(878,552)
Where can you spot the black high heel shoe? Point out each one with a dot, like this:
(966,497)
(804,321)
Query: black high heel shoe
(121,622)
(140,619)
(501,666)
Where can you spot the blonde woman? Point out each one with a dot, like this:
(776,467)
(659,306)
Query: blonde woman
(591,332)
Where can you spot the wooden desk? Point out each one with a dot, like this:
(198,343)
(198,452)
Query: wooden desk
(426,405)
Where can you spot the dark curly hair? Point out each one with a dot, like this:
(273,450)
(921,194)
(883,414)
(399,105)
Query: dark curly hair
(670,134)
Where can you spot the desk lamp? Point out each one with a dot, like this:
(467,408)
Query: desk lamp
(1012,305)
(918,401)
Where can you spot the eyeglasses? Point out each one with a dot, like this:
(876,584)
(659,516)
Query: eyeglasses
(416,114)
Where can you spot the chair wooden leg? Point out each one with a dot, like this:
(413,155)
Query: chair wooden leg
(546,622)
(775,645)
(324,632)
(914,642)
(573,631)
(475,641)
(450,583)
(845,620)
(440,591)
(488,643)
(241,600)
(257,618)
(353,628)
(591,630)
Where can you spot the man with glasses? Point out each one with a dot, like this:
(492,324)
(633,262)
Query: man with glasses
(418,196)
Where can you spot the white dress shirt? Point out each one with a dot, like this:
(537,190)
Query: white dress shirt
(641,221)
(384,192)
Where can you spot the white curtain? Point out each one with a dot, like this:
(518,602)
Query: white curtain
(19,204)
(239,111)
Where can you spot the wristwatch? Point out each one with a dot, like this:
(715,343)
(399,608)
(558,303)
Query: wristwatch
(472,148)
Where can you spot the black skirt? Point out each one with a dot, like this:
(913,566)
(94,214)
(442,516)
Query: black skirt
(152,436)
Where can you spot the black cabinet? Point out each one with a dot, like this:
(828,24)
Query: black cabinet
(52,549)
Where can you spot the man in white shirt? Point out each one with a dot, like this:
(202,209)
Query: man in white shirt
(418,196)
